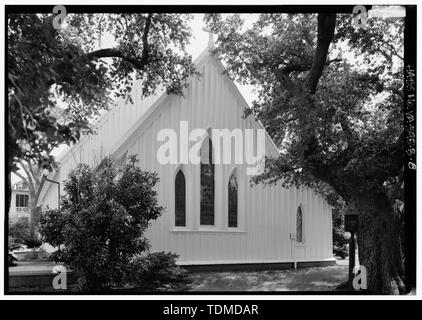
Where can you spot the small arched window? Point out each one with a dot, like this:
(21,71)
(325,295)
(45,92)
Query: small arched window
(299,225)
(180,199)
(207,183)
(232,201)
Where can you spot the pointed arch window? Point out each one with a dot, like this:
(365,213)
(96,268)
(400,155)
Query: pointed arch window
(180,199)
(233,194)
(299,225)
(207,183)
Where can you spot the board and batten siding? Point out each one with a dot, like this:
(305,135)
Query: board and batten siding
(266,213)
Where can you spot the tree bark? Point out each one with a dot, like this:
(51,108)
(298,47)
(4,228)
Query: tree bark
(379,243)
(326,27)
(34,217)
(378,236)
(32,178)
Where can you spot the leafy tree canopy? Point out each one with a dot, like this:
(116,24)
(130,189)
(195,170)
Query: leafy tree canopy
(346,130)
(331,97)
(58,79)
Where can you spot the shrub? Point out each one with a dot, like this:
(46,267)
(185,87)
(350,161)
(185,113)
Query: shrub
(12,243)
(11,260)
(157,271)
(100,226)
(20,233)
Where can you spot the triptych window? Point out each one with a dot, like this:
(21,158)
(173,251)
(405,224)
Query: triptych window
(207,192)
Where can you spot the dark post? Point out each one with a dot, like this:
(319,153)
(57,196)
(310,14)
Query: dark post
(352,260)
(351,225)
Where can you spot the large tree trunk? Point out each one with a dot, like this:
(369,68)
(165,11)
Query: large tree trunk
(34,217)
(379,242)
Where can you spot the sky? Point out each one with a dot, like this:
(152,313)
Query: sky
(200,41)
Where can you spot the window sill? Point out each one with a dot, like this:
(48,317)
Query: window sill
(207,230)
(181,229)
(301,244)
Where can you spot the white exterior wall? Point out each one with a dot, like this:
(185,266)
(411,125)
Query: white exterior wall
(267,214)
(16,213)
(91,149)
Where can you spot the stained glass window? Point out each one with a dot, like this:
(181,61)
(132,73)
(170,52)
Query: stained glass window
(180,199)
(299,223)
(207,184)
(233,202)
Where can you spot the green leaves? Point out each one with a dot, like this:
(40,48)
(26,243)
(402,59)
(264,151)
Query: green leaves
(346,134)
(102,221)
(59,80)
(158,271)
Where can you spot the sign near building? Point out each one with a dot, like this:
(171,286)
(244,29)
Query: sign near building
(351,223)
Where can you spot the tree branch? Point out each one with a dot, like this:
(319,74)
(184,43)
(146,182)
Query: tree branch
(287,83)
(138,62)
(388,46)
(116,53)
(306,66)
(35,175)
(333,60)
(21,176)
(297,67)
(145,48)
(326,26)
(31,184)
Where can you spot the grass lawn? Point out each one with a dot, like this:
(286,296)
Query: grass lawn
(309,279)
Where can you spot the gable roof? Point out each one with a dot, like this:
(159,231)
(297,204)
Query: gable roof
(101,121)
(158,102)
(120,147)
